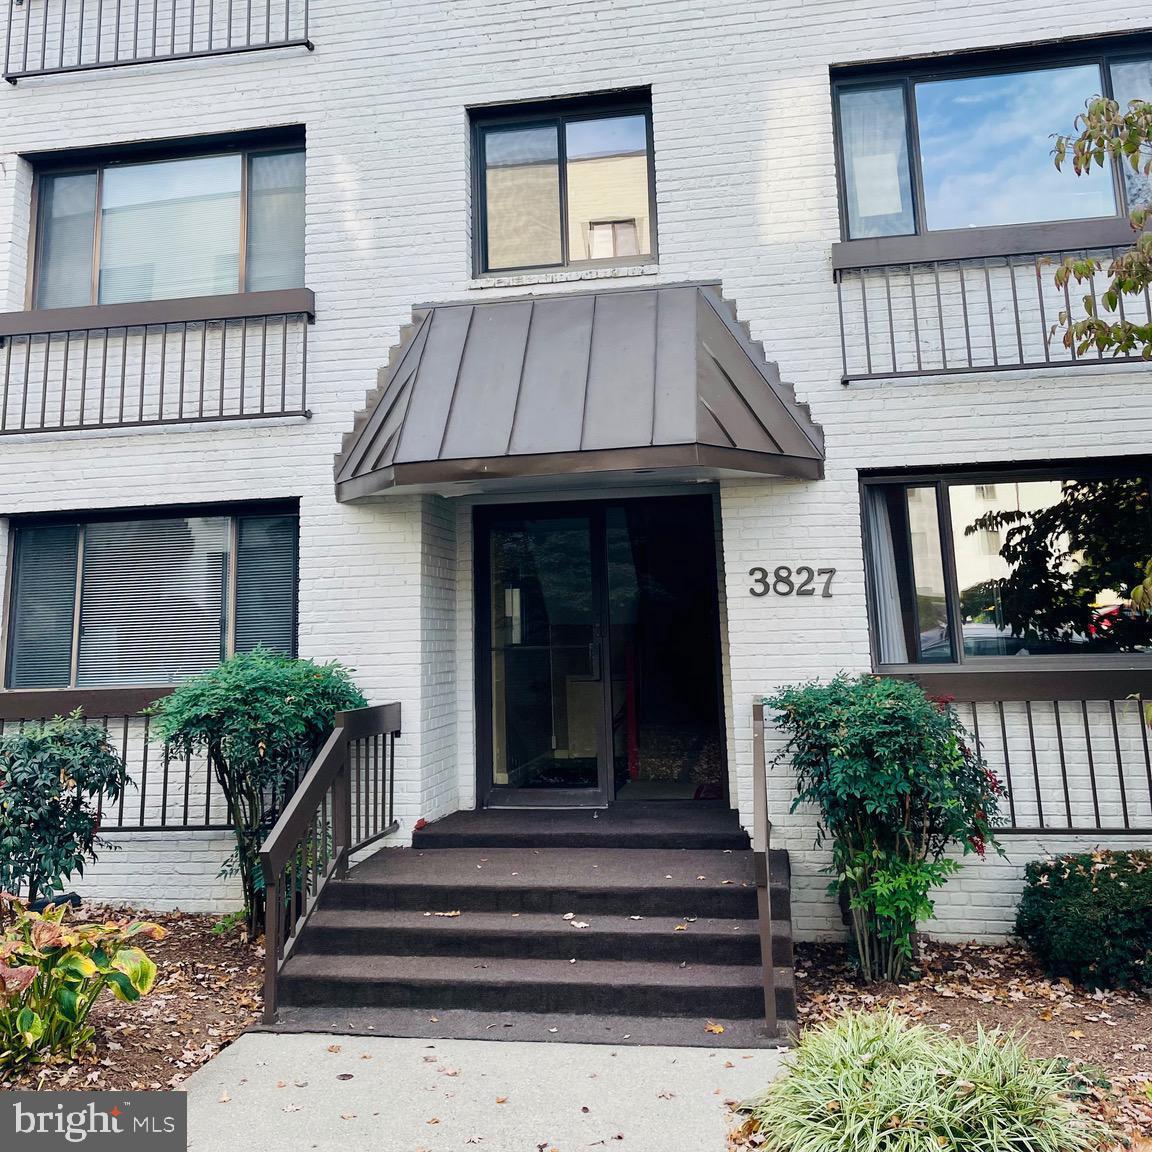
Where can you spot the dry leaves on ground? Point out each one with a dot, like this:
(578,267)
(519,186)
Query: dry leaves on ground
(207,992)
(1107,1035)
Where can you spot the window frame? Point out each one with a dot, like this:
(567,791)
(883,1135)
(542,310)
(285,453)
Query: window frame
(940,479)
(556,113)
(96,160)
(993,239)
(232,512)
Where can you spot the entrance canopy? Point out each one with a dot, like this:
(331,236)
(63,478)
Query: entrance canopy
(577,389)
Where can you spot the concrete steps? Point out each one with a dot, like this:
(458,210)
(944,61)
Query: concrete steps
(483,928)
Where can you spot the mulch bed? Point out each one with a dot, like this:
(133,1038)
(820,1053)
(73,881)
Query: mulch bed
(1106,1035)
(207,992)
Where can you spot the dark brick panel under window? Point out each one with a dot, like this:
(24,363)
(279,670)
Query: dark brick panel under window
(1005,568)
(564,183)
(149,598)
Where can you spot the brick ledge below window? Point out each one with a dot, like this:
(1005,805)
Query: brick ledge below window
(564,276)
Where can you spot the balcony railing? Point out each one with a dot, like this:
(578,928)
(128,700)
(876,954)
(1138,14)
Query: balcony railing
(161,362)
(985,314)
(53,36)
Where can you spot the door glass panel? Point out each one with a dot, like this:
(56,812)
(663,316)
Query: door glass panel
(545,654)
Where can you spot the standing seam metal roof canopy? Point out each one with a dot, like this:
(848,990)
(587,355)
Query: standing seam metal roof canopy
(580,384)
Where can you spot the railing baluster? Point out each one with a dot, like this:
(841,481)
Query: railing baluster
(891,321)
(864,309)
(44,380)
(940,315)
(143,368)
(1063,762)
(1091,762)
(1007,763)
(7,380)
(1119,765)
(1035,763)
(284,364)
(63,378)
(843,329)
(1147,753)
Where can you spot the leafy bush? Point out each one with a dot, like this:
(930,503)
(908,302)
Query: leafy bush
(260,718)
(51,778)
(51,973)
(1089,917)
(896,786)
(870,1082)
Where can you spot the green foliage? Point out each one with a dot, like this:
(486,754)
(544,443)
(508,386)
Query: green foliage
(1105,131)
(1088,917)
(896,786)
(1098,535)
(52,972)
(260,718)
(868,1083)
(52,777)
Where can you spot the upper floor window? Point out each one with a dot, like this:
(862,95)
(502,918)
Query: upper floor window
(563,184)
(1018,564)
(191,225)
(149,599)
(938,146)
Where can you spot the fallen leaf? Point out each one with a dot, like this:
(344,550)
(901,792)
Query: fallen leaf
(333,1047)
(501,1099)
(713,1027)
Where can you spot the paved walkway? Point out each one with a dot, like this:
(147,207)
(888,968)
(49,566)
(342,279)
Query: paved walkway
(295,1093)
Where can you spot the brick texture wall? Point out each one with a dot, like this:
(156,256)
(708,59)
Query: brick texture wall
(745,193)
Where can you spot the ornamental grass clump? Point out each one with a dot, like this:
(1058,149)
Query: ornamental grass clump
(1088,916)
(878,1083)
(896,785)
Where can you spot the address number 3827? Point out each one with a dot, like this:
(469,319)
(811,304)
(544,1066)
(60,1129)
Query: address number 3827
(786,581)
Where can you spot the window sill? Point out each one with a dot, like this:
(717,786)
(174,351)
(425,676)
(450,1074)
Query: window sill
(193,309)
(975,243)
(43,703)
(1043,678)
(563,276)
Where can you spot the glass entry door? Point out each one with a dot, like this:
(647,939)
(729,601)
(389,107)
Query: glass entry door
(542,656)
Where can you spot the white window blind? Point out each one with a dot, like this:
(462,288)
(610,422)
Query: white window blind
(156,605)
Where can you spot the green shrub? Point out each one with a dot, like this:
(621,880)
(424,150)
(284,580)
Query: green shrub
(896,786)
(260,718)
(52,777)
(51,974)
(877,1082)
(1089,917)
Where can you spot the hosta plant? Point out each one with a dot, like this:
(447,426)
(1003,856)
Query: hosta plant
(878,1083)
(897,787)
(52,971)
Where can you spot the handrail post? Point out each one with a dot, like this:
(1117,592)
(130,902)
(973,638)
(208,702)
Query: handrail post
(342,811)
(761,843)
(273,910)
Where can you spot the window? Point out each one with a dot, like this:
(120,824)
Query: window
(149,600)
(203,225)
(566,184)
(936,148)
(1030,564)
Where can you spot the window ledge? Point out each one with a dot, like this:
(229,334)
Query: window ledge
(1077,678)
(43,703)
(975,243)
(562,276)
(234,306)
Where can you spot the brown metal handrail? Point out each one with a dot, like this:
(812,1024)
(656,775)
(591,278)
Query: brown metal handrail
(761,847)
(345,802)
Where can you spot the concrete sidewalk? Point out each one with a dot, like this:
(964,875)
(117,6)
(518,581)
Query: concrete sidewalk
(295,1093)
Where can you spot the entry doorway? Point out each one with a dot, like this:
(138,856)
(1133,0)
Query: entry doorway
(598,653)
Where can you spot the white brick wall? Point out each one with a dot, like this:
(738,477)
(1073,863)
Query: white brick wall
(745,192)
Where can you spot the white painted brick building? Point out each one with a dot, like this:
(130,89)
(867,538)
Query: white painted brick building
(745,188)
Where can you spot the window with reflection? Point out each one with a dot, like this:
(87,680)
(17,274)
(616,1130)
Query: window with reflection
(931,151)
(1025,565)
(568,184)
(164,229)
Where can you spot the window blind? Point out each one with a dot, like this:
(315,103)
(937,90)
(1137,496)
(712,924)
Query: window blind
(43,606)
(275,221)
(153,600)
(266,583)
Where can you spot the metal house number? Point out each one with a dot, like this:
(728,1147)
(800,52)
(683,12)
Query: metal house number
(785,581)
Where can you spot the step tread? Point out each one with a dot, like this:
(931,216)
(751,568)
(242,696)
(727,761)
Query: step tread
(464,970)
(544,1027)
(563,869)
(524,923)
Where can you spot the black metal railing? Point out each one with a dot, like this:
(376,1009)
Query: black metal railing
(165,794)
(985,314)
(115,367)
(43,37)
(344,803)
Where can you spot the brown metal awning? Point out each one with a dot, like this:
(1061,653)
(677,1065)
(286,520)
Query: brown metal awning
(576,389)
